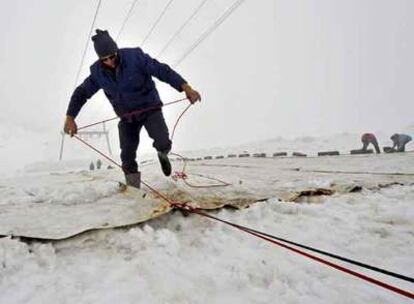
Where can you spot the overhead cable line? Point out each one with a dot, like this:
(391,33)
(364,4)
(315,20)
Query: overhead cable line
(87,42)
(126,19)
(219,21)
(181,28)
(156,22)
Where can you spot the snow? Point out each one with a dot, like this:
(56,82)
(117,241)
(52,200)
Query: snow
(192,259)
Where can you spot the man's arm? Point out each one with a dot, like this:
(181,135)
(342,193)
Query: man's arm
(192,95)
(166,74)
(79,97)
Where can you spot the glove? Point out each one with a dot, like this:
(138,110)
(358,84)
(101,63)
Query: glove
(192,95)
(70,126)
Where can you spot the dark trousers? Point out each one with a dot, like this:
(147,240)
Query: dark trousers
(401,148)
(373,142)
(129,129)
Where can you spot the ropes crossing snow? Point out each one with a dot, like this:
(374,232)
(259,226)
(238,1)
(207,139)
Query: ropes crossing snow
(188,207)
(182,175)
(178,175)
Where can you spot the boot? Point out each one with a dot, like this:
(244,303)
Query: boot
(133,179)
(165,163)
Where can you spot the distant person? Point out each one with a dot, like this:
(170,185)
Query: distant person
(369,138)
(125,76)
(400,141)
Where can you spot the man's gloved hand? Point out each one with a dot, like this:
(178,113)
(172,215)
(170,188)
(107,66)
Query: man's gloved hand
(192,95)
(70,126)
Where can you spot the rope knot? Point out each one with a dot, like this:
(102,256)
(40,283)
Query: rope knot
(179,175)
(188,206)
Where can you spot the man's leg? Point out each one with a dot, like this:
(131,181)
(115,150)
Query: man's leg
(364,145)
(376,146)
(129,140)
(401,148)
(157,129)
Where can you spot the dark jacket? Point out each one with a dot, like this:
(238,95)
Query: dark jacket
(400,140)
(131,87)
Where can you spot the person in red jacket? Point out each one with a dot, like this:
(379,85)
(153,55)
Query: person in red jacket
(369,138)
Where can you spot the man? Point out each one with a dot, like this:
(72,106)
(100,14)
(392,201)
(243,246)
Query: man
(369,138)
(399,141)
(125,75)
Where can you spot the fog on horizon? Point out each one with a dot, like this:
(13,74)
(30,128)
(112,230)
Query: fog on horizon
(273,68)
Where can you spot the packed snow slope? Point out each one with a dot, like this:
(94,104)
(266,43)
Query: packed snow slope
(365,212)
(48,203)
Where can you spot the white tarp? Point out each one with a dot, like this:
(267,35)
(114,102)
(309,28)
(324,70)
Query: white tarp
(57,205)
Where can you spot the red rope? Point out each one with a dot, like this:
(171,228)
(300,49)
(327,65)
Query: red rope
(315,258)
(177,175)
(187,207)
(134,113)
(184,176)
(179,117)
(97,151)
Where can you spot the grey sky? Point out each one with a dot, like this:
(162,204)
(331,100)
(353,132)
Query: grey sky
(273,68)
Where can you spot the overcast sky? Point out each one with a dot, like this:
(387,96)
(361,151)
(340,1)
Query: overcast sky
(273,68)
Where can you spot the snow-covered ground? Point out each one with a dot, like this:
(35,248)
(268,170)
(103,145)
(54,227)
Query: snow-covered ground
(177,259)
